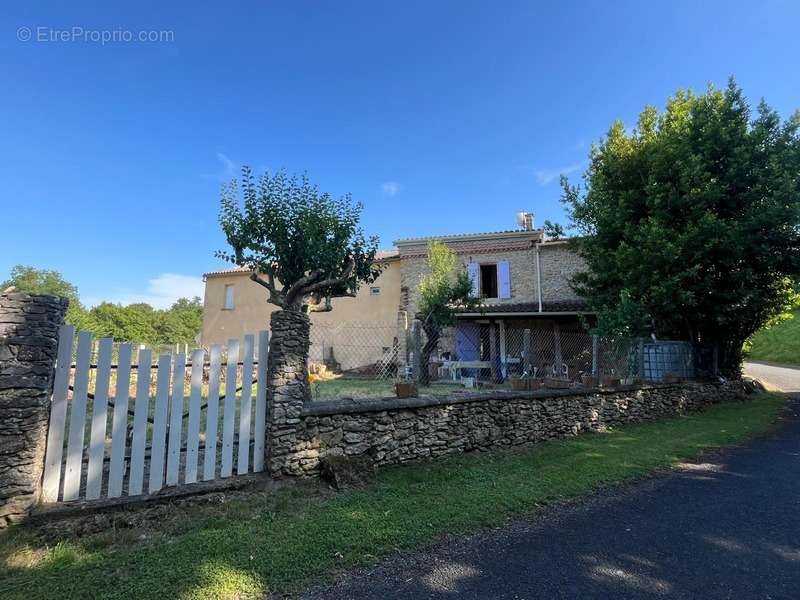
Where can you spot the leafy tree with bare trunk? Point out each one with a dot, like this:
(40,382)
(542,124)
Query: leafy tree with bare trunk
(444,289)
(304,248)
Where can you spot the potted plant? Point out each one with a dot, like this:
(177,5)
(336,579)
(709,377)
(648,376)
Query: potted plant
(519,383)
(609,380)
(557,383)
(405,387)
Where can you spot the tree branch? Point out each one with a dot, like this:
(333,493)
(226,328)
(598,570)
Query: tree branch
(274,296)
(333,281)
(299,288)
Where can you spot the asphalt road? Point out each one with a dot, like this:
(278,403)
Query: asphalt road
(728,528)
(782,377)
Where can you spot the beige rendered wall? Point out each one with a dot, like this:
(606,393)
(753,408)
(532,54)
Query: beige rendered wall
(251,310)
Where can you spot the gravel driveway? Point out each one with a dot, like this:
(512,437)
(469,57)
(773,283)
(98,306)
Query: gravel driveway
(725,529)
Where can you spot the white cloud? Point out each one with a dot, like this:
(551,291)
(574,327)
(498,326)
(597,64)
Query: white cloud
(545,177)
(229,169)
(391,188)
(160,292)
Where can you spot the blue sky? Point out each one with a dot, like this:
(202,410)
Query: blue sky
(441,117)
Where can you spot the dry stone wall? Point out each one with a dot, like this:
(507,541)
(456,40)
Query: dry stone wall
(28,346)
(393,431)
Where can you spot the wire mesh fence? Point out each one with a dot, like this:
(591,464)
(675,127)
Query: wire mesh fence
(497,353)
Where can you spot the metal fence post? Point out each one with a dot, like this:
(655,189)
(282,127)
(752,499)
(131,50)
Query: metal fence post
(526,349)
(641,358)
(595,344)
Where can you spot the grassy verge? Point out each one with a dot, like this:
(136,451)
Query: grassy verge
(780,343)
(280,541)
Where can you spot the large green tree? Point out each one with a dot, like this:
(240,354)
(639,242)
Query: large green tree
(30,280)
(138,322)
(305,248)
(691,222)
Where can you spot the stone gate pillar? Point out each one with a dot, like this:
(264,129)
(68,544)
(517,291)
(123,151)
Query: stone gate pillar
(28,347)
(288,390)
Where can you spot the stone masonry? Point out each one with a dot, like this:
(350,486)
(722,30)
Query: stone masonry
(393,431)
(559,265)
(28,347)
(288,384)
(521,264)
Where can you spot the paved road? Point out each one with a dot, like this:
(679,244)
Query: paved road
(785,378)
(729,528)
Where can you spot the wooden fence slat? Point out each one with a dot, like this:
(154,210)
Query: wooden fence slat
(193,427)
(212,414)
(259,429)
(97,438)
(229,413)
(160,416)
(58,416)
(245,406)
(140,411)
(176,420)
(77,421)
(119,422)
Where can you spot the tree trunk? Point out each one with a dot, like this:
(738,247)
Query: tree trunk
(288,389)
(431,342)
(730,361)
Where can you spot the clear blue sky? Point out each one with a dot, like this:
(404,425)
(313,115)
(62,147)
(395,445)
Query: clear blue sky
(442,117)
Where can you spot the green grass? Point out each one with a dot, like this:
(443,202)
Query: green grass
(281,541)
(371,388)
(780,343)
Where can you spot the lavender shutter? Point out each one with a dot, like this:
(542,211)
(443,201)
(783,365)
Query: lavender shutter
(472,269)
(504,279)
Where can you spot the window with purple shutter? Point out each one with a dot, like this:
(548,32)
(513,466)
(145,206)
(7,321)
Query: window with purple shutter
(504,279)
(472,269)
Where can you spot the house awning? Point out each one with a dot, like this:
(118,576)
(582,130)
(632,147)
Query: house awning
(530,309)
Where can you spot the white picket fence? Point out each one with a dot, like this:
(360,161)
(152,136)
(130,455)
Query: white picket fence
(166,433)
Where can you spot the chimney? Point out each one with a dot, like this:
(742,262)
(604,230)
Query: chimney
(525,220)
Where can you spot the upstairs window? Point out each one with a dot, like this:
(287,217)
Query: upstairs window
(374,291)
(228,297)
(489,281)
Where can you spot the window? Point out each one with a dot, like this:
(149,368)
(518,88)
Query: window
(374,291)
(228,297)
(489,281)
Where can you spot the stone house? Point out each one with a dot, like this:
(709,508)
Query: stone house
(522,277)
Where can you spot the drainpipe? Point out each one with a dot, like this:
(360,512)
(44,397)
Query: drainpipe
(538,276)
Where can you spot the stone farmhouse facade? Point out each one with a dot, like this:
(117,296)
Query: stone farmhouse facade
(522,277)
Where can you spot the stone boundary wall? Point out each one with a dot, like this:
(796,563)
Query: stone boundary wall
(393,431)
(28,347)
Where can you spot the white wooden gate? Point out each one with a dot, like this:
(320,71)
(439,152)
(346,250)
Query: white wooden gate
(165,425)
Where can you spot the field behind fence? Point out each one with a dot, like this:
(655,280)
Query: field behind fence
(126,422)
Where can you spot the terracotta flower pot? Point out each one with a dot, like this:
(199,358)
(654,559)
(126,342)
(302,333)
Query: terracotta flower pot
(609,382)
(589,380)
(557,384)
(519,383)
(405,389)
